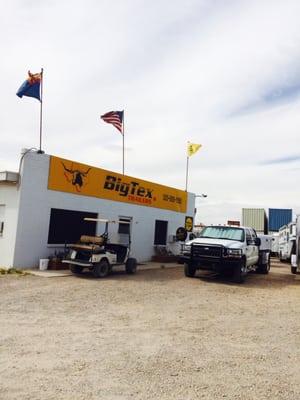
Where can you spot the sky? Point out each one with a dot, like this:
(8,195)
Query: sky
(224,74)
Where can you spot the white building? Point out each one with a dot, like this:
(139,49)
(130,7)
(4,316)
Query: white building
(43,206)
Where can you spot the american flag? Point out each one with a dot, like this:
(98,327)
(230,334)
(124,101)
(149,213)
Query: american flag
(115,118)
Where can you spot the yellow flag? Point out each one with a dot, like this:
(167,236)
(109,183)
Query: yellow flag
(192,148)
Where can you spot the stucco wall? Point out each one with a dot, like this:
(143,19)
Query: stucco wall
(9,197)
(36,202)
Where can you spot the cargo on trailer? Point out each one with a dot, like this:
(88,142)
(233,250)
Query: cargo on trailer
(279,217)
(256,218)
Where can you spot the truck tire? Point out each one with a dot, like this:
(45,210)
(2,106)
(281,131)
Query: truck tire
(130,266)
(101,269)
(189,270)
(240,272)
(293,270)
(264,268)
(75,269)
(280,257)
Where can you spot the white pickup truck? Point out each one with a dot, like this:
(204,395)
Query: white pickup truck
(228,250)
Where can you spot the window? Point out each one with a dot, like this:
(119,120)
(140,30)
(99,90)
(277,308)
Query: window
(66,226)
(124,225)
(160,234)
(223,232)
(249,238)
(2,215)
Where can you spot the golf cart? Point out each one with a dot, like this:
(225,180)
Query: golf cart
(97,254)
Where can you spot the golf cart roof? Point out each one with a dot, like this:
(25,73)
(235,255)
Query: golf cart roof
(107,221)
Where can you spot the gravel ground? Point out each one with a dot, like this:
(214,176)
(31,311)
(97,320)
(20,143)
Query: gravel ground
(155,335)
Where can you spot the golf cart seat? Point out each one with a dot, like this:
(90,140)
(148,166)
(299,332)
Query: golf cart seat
(96,240)
(89,243)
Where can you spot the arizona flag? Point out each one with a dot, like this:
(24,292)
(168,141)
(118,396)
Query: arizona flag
(31,87)
(192,148)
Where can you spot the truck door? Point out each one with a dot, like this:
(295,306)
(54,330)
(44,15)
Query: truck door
(255,252)
(249,247)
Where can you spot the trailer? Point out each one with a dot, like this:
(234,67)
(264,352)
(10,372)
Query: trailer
(275,244)
(295,256)
(287,240)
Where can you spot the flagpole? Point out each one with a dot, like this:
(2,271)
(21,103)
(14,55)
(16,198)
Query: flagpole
(41,111)
(123,139)
(187,173)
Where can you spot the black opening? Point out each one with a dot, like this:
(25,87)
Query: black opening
(124,225)
(66,226)
(160,234)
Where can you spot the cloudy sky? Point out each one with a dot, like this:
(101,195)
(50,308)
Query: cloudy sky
(225,74)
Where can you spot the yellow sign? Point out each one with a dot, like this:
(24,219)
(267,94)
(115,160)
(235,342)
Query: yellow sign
(72,177)
(189,222)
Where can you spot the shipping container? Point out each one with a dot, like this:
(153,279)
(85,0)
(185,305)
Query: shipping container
(255,218)
(279,217)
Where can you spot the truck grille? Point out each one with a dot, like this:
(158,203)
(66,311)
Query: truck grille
(202,251)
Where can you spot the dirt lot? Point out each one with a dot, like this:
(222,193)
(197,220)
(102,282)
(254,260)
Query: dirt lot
(156,335)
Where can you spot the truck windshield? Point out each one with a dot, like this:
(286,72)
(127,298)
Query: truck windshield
(223,232)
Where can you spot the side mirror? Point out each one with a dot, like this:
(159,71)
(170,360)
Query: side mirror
(257,242)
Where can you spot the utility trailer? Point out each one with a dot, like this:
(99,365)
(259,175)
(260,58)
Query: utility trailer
(287,241)
(295,257)
(264,252)
(98,254)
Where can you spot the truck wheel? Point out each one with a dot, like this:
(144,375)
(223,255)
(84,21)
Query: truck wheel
(76,269)
(189,270)
(130,266)
(264,268)
(293,270)
(240,272)
(101,269)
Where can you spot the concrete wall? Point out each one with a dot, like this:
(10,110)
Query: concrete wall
(36,202)
(9,197)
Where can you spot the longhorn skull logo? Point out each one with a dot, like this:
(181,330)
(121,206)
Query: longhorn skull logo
(75,176)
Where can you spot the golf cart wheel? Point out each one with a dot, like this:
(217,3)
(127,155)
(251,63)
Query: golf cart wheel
(240,272)
(101,269)
(76,269)
(189,270)
(131,265)
(294,270)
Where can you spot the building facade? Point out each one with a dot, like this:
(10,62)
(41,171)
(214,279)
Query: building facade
(44,206)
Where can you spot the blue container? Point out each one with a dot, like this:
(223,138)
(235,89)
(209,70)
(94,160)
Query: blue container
(279,217)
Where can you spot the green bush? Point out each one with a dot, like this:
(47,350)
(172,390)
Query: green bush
(11,271)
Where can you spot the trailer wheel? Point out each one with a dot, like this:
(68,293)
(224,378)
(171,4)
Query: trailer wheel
(189,270)
(293,270)
(130,266)
(240,272)
(75,269)
(101,269)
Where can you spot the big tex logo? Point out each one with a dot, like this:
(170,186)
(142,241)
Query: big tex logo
(133,190)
